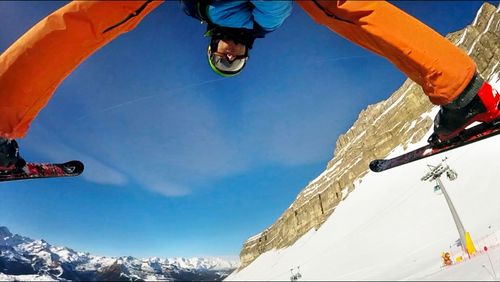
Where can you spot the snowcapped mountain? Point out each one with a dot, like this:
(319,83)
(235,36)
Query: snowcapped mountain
(23,258)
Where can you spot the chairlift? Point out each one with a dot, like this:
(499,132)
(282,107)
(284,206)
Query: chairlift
(451,174)
(295,276)
(437,189)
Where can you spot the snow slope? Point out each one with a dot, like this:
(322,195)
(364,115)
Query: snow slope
(394,227)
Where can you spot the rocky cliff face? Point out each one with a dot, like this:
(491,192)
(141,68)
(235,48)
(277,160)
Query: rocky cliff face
(398,121)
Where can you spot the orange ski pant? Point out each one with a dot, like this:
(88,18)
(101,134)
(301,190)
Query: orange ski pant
(33,67)
(439,67)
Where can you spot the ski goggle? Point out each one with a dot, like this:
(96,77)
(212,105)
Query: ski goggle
(221,64)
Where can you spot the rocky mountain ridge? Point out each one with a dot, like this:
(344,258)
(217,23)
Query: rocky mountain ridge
(28,259)
(403,119)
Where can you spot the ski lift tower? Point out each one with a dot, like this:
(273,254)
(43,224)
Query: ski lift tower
(434,175)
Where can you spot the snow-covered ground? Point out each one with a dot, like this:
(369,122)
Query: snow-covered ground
(393,226)
(4,277)
(485,266)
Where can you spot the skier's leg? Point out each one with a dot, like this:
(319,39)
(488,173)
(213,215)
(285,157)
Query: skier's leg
(271,14)
(445,72)
(442,69)
(33,67)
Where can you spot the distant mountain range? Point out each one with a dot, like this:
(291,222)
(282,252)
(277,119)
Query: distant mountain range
(23,258)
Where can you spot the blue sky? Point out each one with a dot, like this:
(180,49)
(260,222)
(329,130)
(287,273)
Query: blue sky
(180,161)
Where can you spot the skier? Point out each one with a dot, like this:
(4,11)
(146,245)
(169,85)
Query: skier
(446,259)
(233,27)
(447,75)
(80,28)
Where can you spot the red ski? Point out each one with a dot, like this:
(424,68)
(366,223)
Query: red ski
(42,170)
(468,136)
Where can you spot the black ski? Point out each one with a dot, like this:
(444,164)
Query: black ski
(43,170)
(468,136)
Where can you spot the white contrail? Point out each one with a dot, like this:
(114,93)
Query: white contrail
(147,97)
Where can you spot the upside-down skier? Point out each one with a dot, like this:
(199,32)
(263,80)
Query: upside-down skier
(447,75)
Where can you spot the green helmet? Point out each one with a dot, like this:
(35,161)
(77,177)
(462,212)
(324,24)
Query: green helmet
(222,65)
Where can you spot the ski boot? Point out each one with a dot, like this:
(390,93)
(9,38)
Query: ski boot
(9,155)
(479,102)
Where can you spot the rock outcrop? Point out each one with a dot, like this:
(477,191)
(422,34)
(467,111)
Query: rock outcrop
(398,121)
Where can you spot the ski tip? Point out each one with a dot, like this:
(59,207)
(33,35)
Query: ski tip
(74,167)
(376,166)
